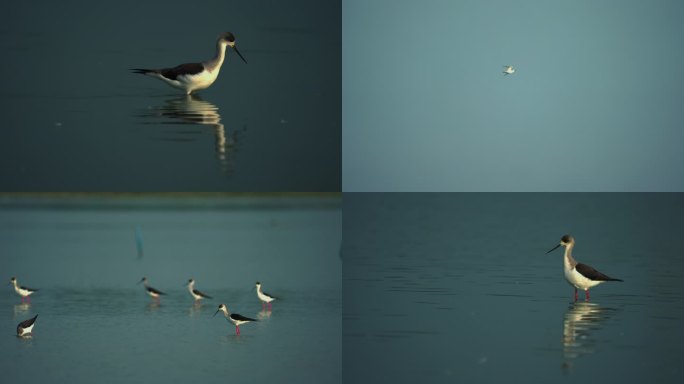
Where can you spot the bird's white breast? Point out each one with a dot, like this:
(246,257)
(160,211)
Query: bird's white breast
(22,292)
(201,80)
(578,281)
(27,330)
(263,297)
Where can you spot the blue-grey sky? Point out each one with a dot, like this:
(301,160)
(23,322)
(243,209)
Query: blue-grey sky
(595,103)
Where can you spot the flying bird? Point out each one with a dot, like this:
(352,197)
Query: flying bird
(508,70)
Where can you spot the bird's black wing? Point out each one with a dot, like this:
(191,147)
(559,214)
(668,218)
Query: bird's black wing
(237,316)
(181,70)
(592,274)
(158,292)
(29,289)
(269,295)
(26,323)
(202,294)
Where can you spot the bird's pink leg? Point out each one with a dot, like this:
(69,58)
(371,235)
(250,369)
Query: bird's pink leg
(22,299)
(269,306)
(237,330)
(575,294)
(586,295)
(29,299)
(263,305)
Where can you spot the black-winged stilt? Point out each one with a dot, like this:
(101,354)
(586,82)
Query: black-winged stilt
(155,293)
(580,276)
(24,292)
(25,327)
(235,318)
(197,295)
(264,297)
(193,77)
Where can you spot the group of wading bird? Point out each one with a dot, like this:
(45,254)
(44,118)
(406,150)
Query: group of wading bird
(25,328)
(580,276)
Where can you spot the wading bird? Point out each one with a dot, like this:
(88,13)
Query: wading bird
(580,276)
(193,77)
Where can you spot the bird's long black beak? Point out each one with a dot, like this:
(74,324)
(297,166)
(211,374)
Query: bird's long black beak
(217,311)
(239,54)
(553,249)
(141,280)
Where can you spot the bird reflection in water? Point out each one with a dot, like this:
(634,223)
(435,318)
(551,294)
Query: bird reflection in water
(263,314)
(192,110)
(195,309)
(152,306)
(21,309)
(580,323)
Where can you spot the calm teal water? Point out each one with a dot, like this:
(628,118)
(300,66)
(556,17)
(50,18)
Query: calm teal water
(96,325)
(458,288)
(75,119)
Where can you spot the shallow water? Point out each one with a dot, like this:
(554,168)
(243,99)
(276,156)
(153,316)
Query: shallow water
(96,325)
(75,119)
(457,288)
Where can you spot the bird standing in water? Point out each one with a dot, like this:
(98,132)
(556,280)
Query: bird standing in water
(155,293)
(191,77)
(264,297)
(580,276)
(235,318)
(24,292)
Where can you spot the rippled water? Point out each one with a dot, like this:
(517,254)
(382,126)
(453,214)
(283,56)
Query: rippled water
(193,118)
(76,119)
(96,325)
(458,288)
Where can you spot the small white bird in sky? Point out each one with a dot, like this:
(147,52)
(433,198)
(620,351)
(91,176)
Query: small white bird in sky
(508,70)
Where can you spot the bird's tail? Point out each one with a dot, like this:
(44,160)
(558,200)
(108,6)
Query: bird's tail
(611,279)
(143,71)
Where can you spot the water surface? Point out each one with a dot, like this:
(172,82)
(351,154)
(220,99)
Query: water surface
(458,288)
(75,119)
(96,325)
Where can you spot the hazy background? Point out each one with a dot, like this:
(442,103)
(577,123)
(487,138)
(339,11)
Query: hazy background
(594,104)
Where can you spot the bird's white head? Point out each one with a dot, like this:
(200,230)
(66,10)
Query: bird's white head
(565,241)
(191,282)
(228,39)
(222,308)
